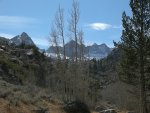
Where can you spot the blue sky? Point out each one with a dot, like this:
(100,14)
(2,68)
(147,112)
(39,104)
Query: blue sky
(99,19)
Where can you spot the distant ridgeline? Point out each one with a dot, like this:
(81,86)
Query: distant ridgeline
(18,40)
(92,51)
(22,39)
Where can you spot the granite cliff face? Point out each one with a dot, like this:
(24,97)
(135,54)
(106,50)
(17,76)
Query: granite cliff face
(97,51)
(22,39)
(93,51)
(90,52)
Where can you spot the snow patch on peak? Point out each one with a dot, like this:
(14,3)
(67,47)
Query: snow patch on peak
(23,38)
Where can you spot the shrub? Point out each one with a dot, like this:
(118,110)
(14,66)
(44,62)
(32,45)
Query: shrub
(76,107)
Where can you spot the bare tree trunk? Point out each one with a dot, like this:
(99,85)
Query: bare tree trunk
(73,25)
(59,22)
(142,81)
(142,64)
(80,35)
(55,40)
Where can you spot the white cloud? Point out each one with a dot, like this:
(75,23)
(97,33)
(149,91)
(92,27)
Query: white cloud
(102,26)
(99,26)
(117,27)
(41,41)
(7,35)
(16,21)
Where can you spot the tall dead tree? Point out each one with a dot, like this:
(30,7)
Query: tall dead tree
(81,43)
(73,25)
(59,22)
(55,41)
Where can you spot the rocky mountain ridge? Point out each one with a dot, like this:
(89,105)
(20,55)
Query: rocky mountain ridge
(22,39)
(92,51)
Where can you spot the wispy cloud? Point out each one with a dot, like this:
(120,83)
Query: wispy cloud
(16,21)
(117,27)
(6,35)
(99,26)
(102,26)
(41,41)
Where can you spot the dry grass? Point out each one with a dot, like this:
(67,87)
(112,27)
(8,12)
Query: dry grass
(28,99)
(6,107)
(25,99)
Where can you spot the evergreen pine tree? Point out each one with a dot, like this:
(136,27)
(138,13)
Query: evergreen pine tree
(135,43)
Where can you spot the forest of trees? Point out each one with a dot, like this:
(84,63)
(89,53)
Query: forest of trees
(120,81)
(134,46)
(71,77)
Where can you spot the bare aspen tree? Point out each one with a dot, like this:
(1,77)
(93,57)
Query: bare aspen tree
(55,40)
(81,42)
(73,28)
(59,22)
(73,24)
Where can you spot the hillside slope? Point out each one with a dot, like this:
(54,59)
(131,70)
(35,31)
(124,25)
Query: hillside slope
(27,99)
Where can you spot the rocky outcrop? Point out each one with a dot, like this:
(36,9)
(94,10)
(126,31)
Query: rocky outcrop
(22,39)
(93,51)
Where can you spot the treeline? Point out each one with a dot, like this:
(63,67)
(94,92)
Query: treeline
(74,81)
(71,79)
(78,78)
(134,46)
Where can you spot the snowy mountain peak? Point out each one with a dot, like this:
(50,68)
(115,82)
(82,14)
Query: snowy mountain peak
(23,38)
(103,45)
(93,51)
(24,34)
(95,44)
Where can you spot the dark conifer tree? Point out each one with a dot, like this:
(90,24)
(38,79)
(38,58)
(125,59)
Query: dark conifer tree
(135,43)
